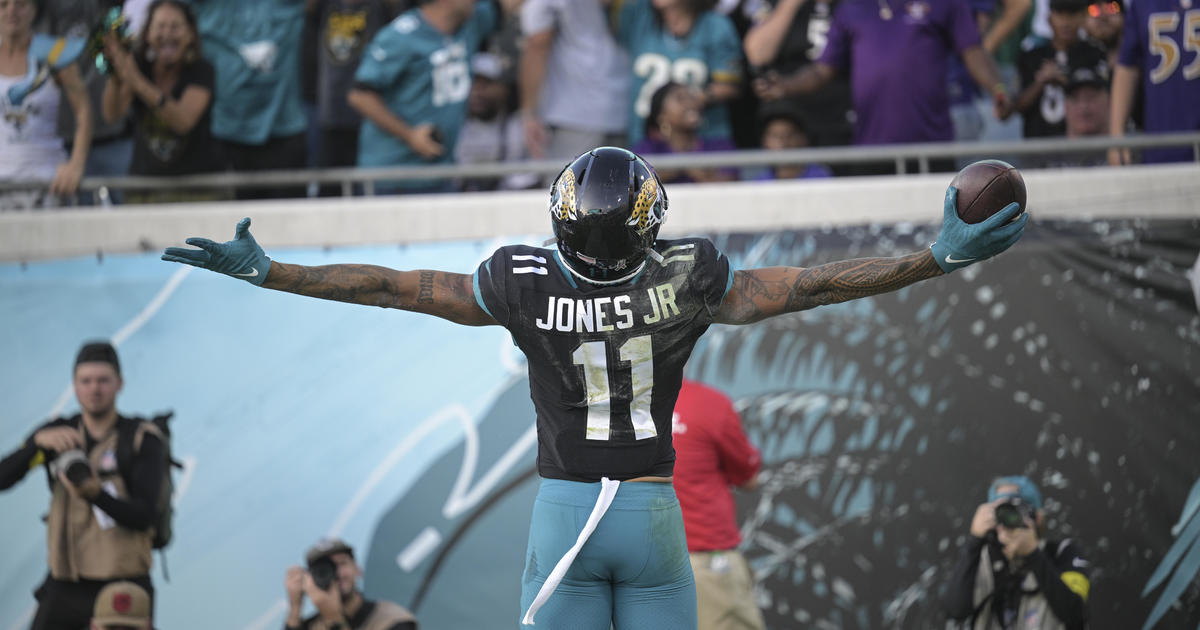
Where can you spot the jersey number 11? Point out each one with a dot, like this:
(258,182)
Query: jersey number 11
(593,357)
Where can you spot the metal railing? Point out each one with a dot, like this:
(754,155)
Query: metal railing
(899,154)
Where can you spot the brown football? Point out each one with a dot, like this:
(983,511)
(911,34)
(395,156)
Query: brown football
(985,187)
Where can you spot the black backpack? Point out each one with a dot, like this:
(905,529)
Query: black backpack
(126,431)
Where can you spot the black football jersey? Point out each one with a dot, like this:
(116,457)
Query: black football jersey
(605,362)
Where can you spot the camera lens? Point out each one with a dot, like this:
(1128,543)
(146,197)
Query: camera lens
(74,464)
(323,572)
(1010,516)
(78,472)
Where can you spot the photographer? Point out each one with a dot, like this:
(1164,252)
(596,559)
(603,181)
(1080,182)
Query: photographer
(331,584)
(100,522)
(1009,575)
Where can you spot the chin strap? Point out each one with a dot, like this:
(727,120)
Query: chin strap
(601,283)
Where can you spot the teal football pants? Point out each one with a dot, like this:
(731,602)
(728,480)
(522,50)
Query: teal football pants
(633,573)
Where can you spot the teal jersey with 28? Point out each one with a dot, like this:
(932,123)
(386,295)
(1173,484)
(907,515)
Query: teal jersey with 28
(423,76)
(710,52)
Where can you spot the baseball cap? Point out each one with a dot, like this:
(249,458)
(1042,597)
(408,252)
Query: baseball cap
(1069,6)
(122,604)
(1086,65)
(98,352)
(1026,490)
(326,547)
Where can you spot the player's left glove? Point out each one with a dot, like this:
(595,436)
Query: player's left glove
(240,258)
(961,243)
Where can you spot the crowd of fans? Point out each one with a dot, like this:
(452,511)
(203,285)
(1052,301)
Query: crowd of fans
(230,85)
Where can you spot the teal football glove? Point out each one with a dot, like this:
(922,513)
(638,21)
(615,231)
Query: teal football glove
(240,258)
(962,243)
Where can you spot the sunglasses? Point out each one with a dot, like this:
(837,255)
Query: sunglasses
(1104,8)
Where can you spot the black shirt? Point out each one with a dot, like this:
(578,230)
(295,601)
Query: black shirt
(158,150)
(827,112)
(139,511)
(1048,115)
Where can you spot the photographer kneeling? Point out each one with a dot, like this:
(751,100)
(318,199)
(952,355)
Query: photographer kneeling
(100,525)
(1008,575)
(331,583)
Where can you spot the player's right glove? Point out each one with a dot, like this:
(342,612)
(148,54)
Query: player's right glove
(240,258)
(961,243)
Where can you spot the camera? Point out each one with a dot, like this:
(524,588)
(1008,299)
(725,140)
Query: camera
(323,572)
(1013,512)
(74,464)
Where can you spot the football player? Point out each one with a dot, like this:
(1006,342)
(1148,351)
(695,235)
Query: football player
(607,320)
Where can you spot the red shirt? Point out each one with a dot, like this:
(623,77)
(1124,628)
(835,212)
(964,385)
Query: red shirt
(712,454)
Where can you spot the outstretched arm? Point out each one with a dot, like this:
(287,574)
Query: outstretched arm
(447,295)
(757,294)
(761,293)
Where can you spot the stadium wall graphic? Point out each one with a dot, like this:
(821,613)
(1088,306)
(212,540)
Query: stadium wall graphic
(1074,359)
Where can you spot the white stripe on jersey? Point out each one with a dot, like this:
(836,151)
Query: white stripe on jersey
(541,271)
(679,253)
(529,257)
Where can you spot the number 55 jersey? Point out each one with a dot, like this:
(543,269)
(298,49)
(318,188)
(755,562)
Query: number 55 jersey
(1162,40)
(605,361)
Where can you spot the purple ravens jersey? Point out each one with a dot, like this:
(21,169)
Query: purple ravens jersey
(898,64)
(1162,40)
(605,362)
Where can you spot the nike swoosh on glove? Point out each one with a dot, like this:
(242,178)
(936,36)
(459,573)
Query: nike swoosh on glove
(961,243)
(240,258)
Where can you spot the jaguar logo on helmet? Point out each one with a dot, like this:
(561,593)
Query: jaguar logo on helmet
(647,210)
(563,205)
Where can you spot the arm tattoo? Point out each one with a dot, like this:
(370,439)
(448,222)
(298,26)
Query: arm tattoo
(458,286)
(446,295)
(425,295)
(760,293)
(850,279)
(356,284)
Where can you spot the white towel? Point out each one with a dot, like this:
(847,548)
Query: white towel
(608,490)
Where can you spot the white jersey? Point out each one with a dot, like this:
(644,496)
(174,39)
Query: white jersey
(30,147)
(587,75)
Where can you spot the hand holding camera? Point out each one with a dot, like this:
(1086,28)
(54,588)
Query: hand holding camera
(293,583)
(74,471)
(58,439)
(69,464)
(1014,523)
(320,584)
(984,520)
